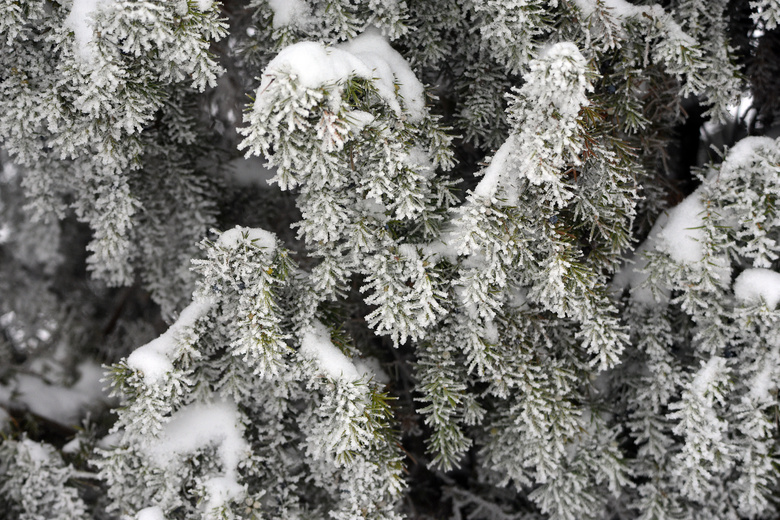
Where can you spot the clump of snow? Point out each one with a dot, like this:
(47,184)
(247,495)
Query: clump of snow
(205,5)
(317,346)
(758,284)
(65,405)
(314,65)
(72,446)
(358,119)
(221,490)
(81,20)
(632,275)
(488,186)
(764,382)
(369,368)
(289,12)
(391,69)
(617,8)
(710,374)
(743,153)
(368,56)
(150,513)
(258,236)
(197,426)
(35,451)
(153,360)
(682,236)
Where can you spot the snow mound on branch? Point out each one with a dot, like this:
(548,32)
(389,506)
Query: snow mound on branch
(197,426)
(633,276)
(316,346)
(758,284)
(150,513)
(369,56)
(682,236)
(80,20)
(289,12)
(743,153)
(153,360)
(65,405)
(258,236)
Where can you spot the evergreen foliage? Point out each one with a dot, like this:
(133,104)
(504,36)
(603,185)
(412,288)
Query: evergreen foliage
(389,259)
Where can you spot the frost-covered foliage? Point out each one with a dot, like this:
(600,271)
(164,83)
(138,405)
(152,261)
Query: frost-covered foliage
(464,267)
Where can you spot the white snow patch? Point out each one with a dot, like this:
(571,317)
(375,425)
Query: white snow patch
(765,381)
(314,65)
(198,426)
(65,405)
(72,446)
(443,248)
(205,5)
(708,375)
(81,21)
(369,56)
(150,513)
(289,12)
(391,69)
(488,186)
(317,346)
(618,8)
(632,276)
(258,236)
(153,360)
(682,236)
(358,120)
(743,153)
(369,368)
(36,452)
(757,284)
(221,490)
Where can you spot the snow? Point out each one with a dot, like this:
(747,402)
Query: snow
(314,65)
(743,153)
(488,186)
(682,236)
(369,368)
(150,513)
(81,20)
(358,119)
(35,451)
(153,360)
(258,236)
(753,285)
(764,382)
(617,8)
(73,446)
(632,276)
(708,375)
(391,69)
(64,405)
(289,12)
(198,426)
(317,346)
(368,56)
(205,5)
(221,490)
